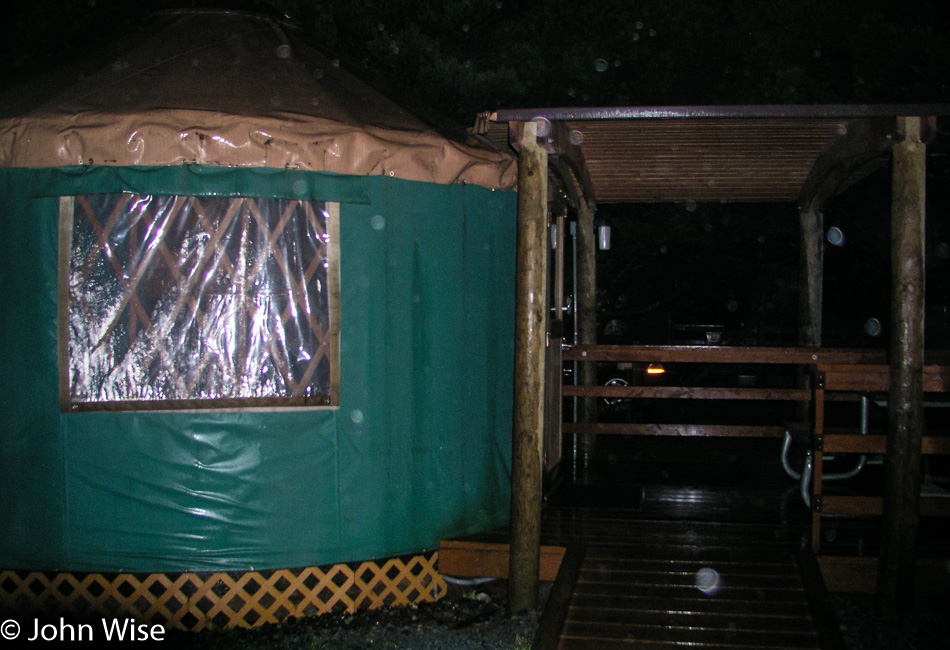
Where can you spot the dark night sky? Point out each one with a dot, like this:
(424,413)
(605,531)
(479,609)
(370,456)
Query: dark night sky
(463,56)
(731,264)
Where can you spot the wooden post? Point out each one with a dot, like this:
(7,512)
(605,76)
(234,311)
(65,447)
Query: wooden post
(530,335)
(811,273)
(902,476)
(586,306)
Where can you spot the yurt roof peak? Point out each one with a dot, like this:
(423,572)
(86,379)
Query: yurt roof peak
(236,89)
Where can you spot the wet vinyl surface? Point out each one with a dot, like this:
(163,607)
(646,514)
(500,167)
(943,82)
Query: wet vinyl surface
(688,542)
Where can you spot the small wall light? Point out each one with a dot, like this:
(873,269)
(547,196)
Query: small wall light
(603,235)
(655,369)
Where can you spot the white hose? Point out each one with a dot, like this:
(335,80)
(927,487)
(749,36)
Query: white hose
(805,474)
(467,582)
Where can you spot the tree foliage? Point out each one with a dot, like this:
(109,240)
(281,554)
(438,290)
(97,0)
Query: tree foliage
(462,56)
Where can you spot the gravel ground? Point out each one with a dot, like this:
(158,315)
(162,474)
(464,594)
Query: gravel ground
(465,619)
(476,619)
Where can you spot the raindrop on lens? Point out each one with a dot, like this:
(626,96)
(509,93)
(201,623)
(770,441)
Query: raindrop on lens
(283,51)
(576,137)
(636,36)
(639,25)
(544,126)
(707,581)
(873,327)
(732,305)
(600,65)
(356,416)
(835,236)
(943,251)
(690,206)
(378,222)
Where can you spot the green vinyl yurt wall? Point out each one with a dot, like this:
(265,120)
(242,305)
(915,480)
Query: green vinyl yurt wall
(418,450)
(416,447)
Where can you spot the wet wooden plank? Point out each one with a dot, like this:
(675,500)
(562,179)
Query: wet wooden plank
(612,644)
(789,592)
(721,354)
(691,617)
(466,559)
(607,575)
(866,505)
(688,635)
(796,610)
(686,392)
(676,430)
(876,444)
(876,378)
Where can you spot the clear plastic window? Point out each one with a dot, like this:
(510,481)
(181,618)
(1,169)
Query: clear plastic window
(192,302)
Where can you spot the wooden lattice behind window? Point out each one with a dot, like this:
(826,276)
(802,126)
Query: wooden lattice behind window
(192,601)
(177,298)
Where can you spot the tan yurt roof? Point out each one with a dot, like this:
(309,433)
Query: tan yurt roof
(236,89)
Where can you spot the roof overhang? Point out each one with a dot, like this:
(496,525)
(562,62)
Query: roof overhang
(797,153)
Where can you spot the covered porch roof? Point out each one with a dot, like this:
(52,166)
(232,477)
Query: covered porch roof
(666,154)
(804,154)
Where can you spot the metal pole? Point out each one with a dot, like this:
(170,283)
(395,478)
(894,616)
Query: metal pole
(530,338)
(902,474)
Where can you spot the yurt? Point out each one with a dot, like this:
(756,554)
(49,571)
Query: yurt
(257,335)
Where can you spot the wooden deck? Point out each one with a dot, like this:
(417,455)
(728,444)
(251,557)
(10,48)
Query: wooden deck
(666,554)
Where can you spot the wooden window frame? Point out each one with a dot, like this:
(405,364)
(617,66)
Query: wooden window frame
(281,403)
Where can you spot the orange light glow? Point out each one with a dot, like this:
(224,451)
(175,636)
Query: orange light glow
(655,369)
